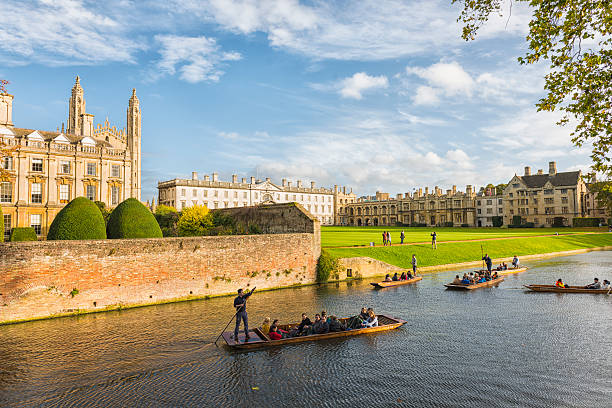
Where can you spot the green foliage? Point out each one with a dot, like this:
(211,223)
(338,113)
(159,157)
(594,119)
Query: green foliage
(603,194)
(167,218)
(194,221)
(326,266)
(1,226)
(579,81)
(586,222)
(517,220)
(105,212)
(499,189)
(79,219)
(558,222)
(254,229)
(131,219)
(74,292)
(23,234)
(448,224)
(497,220)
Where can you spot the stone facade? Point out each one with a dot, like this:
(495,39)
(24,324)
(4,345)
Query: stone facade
(432,209)
(341,200)
(215,194)
(48,169)
(590,206)
(488,205)
(540,198)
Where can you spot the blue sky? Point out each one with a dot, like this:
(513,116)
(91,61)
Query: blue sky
(374,95)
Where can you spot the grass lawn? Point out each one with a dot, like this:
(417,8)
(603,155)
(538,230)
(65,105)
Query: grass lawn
(470,251)
(351,236)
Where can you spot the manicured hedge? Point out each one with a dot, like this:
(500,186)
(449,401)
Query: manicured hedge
(131,219)
(497,220)
(79,219)
(586,222)
(1,226)
(23,234)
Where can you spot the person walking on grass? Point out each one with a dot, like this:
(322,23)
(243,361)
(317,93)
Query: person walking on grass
(402,236)
(414,264)
(389,238)
(433,240)
(384,234)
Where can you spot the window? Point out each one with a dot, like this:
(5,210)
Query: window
(489,211)
(115,170)
(535,210)
(479,211)
(205,192)
(489,202)
(564,191)
(549,200)
(90,192)
(6,192)
(225,194)
(36,192)
(235,194)
(549,210)
(195,193)
(565,210)
(244,195)
(7,226)
(549,192)
(516,185)
(499,201)
(510,195)
(64,193)
(115,190)
(535,201)
(35,222)
(564,200)
(7,163)
(64,167)
(91,169)
(216,193)
(457,203)
(182,192)
(294,197)
(37,165)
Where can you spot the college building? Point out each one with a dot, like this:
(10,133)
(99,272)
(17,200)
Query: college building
(45,170)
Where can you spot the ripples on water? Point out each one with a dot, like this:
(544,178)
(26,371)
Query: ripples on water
(492,347)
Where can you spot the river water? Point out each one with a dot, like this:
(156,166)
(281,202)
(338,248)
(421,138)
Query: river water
(491,347)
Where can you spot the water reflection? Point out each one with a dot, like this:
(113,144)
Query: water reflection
(491,347)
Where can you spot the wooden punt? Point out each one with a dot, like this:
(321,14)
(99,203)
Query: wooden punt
(567,289)
(461,286)
(508,271)
(258,339)
(384,284)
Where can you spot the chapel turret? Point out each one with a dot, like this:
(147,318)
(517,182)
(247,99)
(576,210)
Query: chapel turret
(133,140)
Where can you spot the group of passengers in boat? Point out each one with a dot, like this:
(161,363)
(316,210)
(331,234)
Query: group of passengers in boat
(594,285)
(475,277)
(322,324)
(402,277)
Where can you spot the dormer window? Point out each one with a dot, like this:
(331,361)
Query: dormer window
(88,141)
(61,139)
(35,136)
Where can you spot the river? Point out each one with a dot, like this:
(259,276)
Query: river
(492,347)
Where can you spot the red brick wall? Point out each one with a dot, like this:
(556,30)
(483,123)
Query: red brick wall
(36,278)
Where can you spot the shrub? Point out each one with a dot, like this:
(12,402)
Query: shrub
(194,221)
(167,217)
(448,224)
(517,220)
(326,265)
(586,222)
(1,226)
(79,219)
(609,221)
(23,234)
(102,207)
(497,220)
(418,224)
(558,222)
(131,219)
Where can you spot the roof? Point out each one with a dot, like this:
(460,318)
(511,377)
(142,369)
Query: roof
(49,136)
(567,178)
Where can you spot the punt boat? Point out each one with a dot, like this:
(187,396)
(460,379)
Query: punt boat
(385,284)
(567,289)
(508,271)
(259,340)
(462,286)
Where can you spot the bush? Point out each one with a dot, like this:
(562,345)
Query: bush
(167,217)
(558,222)
(525,225)
(586,222)
(497,220)
(465,225)
(326,266)
(131,219)
(194,221)
(23,234)
(418,224)
(1,226)
(517,220)
(609,221)
(79,219)
(448,224)
(102,207)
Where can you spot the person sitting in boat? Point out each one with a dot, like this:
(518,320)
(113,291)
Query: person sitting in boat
(465,280)
(594,285)
(304,325)
(495,275)
(505,266)
(274,333)
(482,279)
(336,325)
(283,333)
(320,326)
(403,276)
(515,262)
(395,277)
(372,320)
(364,314)
(388,278)
(457,280)
(559,283)
(606,284)
(265,326)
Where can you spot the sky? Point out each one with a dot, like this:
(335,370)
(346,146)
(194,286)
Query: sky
(374,95)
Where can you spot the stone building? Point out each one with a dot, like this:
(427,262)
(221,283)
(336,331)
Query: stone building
(590,206)
(341,199)
(213,193)
(432,209)
(488,205)
(540,198)
(48,169)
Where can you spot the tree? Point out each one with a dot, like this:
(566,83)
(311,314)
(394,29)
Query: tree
(167,218)
(194,221)
(102,206)
(575,36)
(499,189)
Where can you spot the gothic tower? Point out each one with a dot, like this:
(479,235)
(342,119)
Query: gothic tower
(76,109)
(133,141)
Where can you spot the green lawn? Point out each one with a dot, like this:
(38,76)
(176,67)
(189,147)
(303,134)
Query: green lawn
(470,251)
(351,236)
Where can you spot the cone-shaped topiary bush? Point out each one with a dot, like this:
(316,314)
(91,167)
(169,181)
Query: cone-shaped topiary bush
(79,219)
(131,219)
(1,226)
(23,234)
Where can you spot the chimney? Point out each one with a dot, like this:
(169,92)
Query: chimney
(344,190)
(406,195)
(288,184)
(284,181)
(207,178)
(552,168)
(448,192)
(420,192)
(268,179)
(527,171)
(194,175)
(426,191)
(215,177)
(335,189)
(243,180)
(252,180)
(312,185)
(454,190)
(299,183)
(399,196)
(540,172)
(468,190)
(6,109)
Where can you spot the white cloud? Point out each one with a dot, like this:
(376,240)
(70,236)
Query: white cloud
(449,78)
(196,58)
(426,95)
(353,87)
(229,135)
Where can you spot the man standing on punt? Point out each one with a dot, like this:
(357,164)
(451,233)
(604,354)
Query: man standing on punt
(241,313)
(488,261)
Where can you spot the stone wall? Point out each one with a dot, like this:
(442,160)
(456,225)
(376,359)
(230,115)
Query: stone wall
(39,279)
